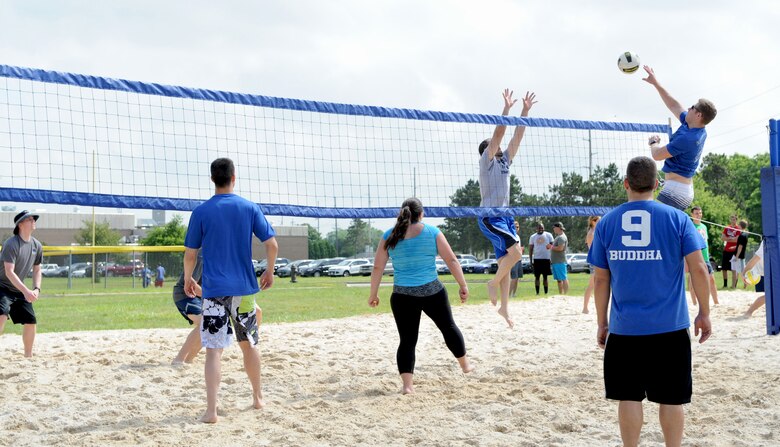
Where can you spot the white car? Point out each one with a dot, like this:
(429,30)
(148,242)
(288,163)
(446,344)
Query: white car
(50,269)
(347,267)
(577,262)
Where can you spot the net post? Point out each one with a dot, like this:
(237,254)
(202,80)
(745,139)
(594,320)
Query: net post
(770,205)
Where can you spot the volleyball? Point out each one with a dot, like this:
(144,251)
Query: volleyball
(753,276)
(628,62)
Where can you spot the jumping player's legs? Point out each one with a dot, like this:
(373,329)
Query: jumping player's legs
(501,233)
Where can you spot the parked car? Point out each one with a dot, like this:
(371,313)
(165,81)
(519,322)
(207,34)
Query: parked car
(50,270)
(367,269)
(577,262)
(133,268)
(261,265)
(64,270)
(472,257)
(286,270)
(526,263)
(101,269)
(441,267)
(80,273)
(472,266)
(320,267)
(347,267)
(280,262)
(491,264)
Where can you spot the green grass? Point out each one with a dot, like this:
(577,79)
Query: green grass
(117,305)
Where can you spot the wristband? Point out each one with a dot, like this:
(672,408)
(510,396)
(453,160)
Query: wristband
(37,288)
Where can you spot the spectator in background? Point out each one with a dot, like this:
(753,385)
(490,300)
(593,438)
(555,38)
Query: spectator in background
(729,237)
(540,255)
(696,214)
(558,258)
(592,221)
(158,280)
(739,266)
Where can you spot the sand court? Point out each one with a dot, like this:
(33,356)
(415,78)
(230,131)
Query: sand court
(334,382)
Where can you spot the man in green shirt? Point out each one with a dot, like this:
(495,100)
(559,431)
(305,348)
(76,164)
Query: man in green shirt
(702,229)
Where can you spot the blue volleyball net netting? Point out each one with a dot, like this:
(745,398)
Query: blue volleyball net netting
(75,139)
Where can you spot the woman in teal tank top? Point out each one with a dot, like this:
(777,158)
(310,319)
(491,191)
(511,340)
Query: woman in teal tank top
(413,247)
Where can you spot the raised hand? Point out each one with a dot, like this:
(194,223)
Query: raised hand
(508,101)
(529,101)
(650,75)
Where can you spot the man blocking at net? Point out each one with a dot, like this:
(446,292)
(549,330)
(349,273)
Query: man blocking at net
(494,188)
(640,250)
(683,153)
(20,254)
(223,227)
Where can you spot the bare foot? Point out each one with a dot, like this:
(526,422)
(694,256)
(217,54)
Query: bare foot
(467,368)
(492,293)
(407,389)
(177,362)
(585,310)
(209,418)
(258,403)
(504,313)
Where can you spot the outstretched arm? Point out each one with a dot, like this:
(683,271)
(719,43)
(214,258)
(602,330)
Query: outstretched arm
(498,134)
(514,143)
(672,104)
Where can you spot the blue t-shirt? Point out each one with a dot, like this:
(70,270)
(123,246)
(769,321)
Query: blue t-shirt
(160,273)
(223,226)
(414,260)
(643,244)
(686,146)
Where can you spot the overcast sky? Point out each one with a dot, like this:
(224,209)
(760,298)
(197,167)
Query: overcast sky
(438,55)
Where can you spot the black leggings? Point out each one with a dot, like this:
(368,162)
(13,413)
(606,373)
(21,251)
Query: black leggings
(407,311)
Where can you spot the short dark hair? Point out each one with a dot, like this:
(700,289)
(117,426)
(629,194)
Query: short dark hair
(222,171)
(696,208)
(641,174)
(483,145)
(707,110)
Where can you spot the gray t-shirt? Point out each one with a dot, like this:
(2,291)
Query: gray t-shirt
(494,180)
(197,272)
(23,255)
(559,257)
(540,241)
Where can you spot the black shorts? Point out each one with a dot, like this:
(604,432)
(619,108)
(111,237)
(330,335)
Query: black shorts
(542,267)
(656,367)
(13,304)
(725,264)
(760,285)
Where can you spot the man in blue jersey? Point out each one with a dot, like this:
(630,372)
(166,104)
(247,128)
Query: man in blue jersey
(639,251)
(494,188)
(683,153)
(223,227)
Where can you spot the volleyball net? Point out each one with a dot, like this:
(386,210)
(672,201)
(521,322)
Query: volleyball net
(85,140)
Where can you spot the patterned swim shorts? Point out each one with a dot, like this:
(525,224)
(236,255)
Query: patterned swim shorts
(224,315)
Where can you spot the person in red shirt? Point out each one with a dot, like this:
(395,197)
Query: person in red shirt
(729,237)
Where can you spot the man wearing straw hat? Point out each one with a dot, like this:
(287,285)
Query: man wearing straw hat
(19,254)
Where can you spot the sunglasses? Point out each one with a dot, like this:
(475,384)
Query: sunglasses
(694,108)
